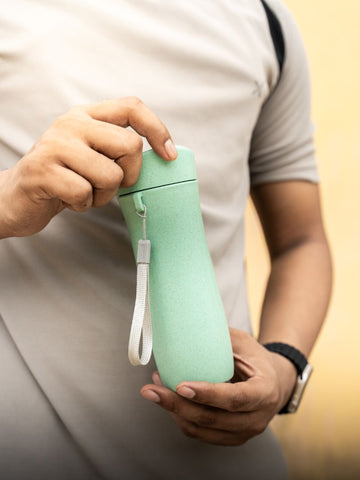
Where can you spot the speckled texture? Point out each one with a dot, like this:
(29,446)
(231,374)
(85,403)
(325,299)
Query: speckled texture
(191,338)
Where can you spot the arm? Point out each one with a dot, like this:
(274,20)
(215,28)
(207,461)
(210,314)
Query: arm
(294,308)
(299,284)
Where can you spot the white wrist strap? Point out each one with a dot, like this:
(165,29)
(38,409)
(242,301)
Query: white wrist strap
(141,322)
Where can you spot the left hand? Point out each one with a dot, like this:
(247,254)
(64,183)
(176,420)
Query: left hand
(230,413)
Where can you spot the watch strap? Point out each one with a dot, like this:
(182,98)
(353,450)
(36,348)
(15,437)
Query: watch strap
(291,353)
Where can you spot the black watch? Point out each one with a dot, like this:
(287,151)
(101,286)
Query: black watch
(303,368)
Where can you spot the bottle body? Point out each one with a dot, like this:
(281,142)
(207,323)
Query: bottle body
(191,339)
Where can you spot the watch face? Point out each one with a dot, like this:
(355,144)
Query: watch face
(301,383)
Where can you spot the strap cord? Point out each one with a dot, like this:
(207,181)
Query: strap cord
(141,332)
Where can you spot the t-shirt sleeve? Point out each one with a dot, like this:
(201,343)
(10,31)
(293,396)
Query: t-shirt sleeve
(282,145)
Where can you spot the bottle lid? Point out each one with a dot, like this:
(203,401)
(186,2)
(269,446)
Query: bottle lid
(157,172)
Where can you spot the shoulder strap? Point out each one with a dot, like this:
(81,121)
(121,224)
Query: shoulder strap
(276,34)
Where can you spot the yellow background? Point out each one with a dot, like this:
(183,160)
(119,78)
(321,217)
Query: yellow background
(322,441)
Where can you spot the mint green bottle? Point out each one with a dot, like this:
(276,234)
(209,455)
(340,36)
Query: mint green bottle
(191,338)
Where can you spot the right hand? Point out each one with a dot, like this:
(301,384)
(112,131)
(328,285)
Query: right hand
(79,163)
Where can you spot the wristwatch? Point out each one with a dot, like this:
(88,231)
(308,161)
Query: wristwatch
(303,368)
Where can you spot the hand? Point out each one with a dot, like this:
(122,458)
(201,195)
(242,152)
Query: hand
(79,162)
(230,413)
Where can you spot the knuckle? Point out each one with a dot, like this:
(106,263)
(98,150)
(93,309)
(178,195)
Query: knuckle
(135,142)
(175,407)
(116,177)
(131,170)
(112,177)
(205,419)
(189,430)
(52,146)
(82,195)
(258,428)
(73,121)
(130,177)
(234,402)
(129,180)
(78,109)
(45,147)
(40,159)
(79,208)
(127,183)
(132,146)
(171,404)
(101,201)
(163,131)
(62,120)
(134,101)
(238,440)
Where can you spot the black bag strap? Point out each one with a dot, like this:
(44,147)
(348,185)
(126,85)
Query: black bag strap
(276,34)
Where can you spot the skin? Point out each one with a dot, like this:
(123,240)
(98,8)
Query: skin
(81,161)
(294,309)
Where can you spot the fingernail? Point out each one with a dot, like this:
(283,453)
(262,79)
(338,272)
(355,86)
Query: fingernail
(186,392)
(150,395)
(170,148)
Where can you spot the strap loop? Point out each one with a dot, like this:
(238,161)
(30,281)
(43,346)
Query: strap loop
(141,331)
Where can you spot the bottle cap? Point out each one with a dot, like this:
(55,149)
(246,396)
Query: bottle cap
(157,172)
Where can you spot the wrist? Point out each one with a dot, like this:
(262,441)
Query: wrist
(287,375)
(303,370)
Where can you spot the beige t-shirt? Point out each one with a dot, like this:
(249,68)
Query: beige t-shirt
(209,70)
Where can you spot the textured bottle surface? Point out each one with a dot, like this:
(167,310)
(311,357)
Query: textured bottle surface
(190,334)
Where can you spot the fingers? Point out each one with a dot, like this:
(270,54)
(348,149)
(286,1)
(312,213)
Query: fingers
(101,175)
(114,143)
(208,424)
(75,174)
(104,176)
(192,412)
(210,435)
(101,127)
(232,397)
(225,413)
(132,112)
(121,145)
(75,192)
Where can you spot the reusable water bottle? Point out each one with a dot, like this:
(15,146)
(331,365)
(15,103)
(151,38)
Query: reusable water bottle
(176,282)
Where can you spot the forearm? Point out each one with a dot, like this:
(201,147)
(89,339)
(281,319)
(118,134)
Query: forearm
(297,294)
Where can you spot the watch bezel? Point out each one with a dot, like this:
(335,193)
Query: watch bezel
(301,382)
